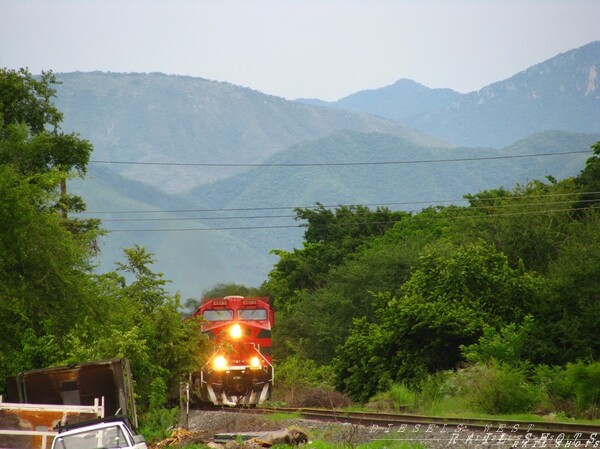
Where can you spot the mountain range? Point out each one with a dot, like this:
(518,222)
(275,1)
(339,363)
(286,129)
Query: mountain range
(226,165)
(559,94)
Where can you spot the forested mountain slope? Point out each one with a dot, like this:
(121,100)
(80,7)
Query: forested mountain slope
(369,168)
(161,118)
(151,119)
(562,93)
(414,177)
(403,99)
(137,213)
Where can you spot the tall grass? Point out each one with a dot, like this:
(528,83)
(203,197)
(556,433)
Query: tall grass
(493,388)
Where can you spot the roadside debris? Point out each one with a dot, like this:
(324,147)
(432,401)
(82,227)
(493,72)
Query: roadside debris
(180,437)
(235,440)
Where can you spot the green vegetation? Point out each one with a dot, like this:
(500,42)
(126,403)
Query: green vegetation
(54,309)
(492,294)
(490,308)
(143,117)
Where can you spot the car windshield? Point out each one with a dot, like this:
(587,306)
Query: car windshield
(218,315)
(105,438)
(252,314)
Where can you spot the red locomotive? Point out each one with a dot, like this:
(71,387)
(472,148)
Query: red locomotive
(240,371)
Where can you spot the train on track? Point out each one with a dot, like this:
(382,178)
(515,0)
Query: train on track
(240,370)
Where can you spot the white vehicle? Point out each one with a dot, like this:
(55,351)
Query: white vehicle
(109,433)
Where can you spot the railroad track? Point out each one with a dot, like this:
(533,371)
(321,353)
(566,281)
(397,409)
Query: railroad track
(486,431)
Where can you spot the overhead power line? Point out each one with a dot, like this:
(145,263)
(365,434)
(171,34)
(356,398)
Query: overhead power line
(382,204)
(240,209)
(303,225)
(243,217)
(256,217)
(326,164)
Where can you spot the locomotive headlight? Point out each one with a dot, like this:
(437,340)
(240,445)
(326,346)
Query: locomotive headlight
(255,362)
(235,331)
(219,362)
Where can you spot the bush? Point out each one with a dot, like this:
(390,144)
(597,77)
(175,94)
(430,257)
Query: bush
(402,396)
(398,397)
(584,380)
(573,390)
(157,423)
(299,376)
(432,389)
(496,388)
(556,390)
(319,397)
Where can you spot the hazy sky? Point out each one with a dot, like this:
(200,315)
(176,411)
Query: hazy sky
(298,48)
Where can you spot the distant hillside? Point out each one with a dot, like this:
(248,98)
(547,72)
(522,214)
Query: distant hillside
(231,225)
(159,118)
(410,185)
(562,93)
(389,169)
(228,218)
(398,101)
(193,259)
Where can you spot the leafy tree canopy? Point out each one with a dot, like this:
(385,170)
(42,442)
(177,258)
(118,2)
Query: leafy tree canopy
(589,180)
(44,287)
(25,99)
(331,236)
(141,322)
(447,302)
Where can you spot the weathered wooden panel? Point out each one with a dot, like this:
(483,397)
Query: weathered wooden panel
(76,385)
(31,426)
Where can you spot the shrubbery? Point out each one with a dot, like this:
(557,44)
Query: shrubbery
(497,388)
(574,390)
(302,383)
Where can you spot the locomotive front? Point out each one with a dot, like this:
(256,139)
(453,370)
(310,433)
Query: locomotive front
(240,371)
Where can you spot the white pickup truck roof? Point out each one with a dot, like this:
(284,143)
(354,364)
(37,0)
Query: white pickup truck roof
(109,434)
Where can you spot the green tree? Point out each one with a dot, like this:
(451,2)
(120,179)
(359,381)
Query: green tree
(331,236)
(508,344)
(362,366)
(451,297)
(45,287)
(569,316)
(528,224)
(25,99)
(311,310)
(142,323)
(31,139)
(323,317)
(589,181)
(382,263)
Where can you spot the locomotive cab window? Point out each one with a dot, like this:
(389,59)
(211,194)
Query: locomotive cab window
(218,315)
(252,314)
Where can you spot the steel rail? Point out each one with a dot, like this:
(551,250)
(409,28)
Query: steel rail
(396,420)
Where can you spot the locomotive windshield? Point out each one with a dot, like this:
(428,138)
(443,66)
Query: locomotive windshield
(252,314)
(218,315)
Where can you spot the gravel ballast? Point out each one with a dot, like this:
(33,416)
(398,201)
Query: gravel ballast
(211,423)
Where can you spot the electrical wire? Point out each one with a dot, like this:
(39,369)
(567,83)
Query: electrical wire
(303,225)
(334,164)
(398,203)
(258,217)
(428,203)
